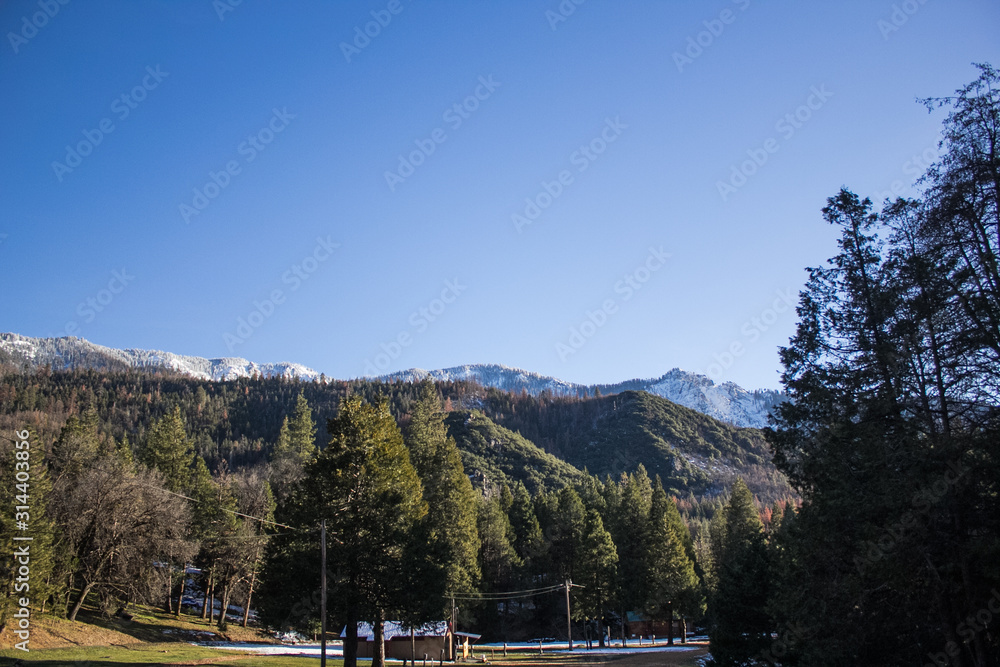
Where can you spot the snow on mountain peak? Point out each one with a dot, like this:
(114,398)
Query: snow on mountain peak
(727,401)
(71,352)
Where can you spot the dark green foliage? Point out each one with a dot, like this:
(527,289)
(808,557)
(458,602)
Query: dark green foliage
(596,569)
(740,627)
(891,433)
(169,450)
(448,534)
(614,434)
(495,455)
(26,501)
(365,487)
(673,586)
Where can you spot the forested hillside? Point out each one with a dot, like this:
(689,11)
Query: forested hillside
(237,422)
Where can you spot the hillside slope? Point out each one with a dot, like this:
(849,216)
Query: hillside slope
(493,454)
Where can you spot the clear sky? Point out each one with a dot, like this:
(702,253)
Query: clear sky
(593,191)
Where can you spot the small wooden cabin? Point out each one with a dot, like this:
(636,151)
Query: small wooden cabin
(637,625)
(432,639)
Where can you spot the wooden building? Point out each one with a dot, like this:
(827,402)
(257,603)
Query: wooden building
(637,625)
(430,639)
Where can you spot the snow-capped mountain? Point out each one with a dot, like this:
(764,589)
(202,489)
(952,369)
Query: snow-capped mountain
(498,376)
(726,402)
(72,352)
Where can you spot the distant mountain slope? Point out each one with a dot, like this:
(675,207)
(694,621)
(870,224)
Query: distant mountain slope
(71,352)
(726,402)
(497,376)
(691,452)
(495,454)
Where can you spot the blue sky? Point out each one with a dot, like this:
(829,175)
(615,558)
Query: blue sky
(596,192)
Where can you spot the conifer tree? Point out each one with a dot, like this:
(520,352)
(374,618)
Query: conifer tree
(449,532)
(740,627)
(596,569)
(170,450)
(529,542)
(26,498)
(366,488)
(628,531)
(673,585)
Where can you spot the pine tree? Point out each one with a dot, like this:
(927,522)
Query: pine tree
(596,569)
(364,485)
(567,531)
(77,446)
(26,498)
(893,373)
(302,431)
(449,533)
(295,448)
(740,629)
(630,539)
(673,585)
(169,450)
(529,542)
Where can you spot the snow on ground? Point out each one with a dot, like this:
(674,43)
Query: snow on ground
(336,650)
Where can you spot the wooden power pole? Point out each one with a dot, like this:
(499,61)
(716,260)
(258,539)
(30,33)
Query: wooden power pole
(569,628)
(322,593)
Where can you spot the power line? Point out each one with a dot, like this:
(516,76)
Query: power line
(247,516)
(510,595)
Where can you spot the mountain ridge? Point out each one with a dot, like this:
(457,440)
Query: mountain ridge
(727,402)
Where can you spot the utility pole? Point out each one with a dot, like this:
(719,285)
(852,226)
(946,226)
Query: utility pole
(454,643)
(322,593)
(569,628)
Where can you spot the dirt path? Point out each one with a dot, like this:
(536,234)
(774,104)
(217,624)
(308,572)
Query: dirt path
(645,659)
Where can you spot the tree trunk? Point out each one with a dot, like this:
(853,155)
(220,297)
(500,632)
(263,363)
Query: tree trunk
(378,646)
(624,621)
(79,601)
(684,630)
(223,618)
(180,596)
(600,630)
(211,601)
(351,638)
(246,607)
(670,624)
(168,604)
(204,597)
